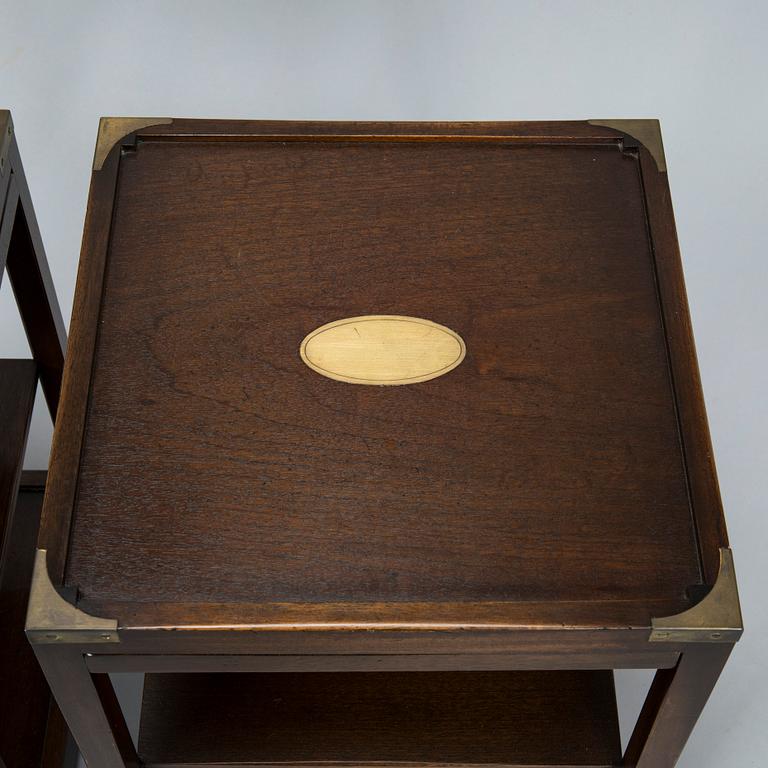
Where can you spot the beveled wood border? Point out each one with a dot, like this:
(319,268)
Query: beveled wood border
(68,432)
(704,490)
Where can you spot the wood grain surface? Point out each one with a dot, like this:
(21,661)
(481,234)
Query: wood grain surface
(216,467)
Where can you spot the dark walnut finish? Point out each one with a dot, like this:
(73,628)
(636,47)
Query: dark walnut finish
(216,467)
(233,511)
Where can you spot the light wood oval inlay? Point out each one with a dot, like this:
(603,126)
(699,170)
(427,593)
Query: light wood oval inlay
(382,350)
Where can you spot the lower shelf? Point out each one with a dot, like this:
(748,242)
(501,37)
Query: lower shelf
(364,718)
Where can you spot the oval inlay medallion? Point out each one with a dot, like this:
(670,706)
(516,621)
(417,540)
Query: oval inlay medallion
(382,350)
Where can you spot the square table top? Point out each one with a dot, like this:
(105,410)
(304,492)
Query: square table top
(202,473)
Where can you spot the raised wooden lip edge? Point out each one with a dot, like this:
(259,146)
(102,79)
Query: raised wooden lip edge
(698,457)
(716,618)
(114,131)
(114,135)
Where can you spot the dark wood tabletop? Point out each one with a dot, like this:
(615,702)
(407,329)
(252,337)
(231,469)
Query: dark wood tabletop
(202,474)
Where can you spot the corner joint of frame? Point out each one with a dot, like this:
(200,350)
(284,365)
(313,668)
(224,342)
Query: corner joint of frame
(113,130)
(645,132)
(51,619)
(715,619)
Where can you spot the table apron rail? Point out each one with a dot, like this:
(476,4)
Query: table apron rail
(380,662)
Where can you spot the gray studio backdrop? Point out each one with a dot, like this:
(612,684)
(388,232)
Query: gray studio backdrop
(699,66)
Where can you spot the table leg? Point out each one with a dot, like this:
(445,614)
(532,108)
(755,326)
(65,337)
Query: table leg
(675,700)
(89,706)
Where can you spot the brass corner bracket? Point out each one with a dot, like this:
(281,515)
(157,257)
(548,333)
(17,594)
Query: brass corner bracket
(644,131)
(716,619)
(6,136)
(51,619)
(113,129)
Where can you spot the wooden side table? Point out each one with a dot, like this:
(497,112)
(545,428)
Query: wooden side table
(381,443)
(32,732)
